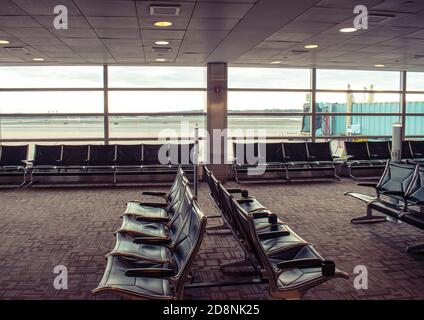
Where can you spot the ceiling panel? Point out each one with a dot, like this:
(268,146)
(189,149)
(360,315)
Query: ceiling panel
(107,8)
(221,10)
(45,7)
(248,32)
(113,22)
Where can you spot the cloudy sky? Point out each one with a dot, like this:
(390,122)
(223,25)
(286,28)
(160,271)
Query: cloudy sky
(183,77)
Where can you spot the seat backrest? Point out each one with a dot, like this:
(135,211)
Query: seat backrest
(47,155)
(379,150)
(415,192)
(208,179)
(243,153)
(181,153)
(319,151)
(406,150)
(179,210)
(295,151)
(176,184)
(357,151)
(13,155)
(129,155)
(74,155)
(187,249)
(271,152)
(151,154)
(417,148)
(188,246)
(396,177)
(228,211)
(102,155)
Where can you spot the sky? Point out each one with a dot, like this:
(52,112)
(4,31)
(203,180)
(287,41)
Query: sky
(183,77)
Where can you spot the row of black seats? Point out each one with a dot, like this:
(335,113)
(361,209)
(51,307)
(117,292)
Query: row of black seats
(283,159)
(291,264)
(399,195)
(373,155)
(156,245)
(80,160)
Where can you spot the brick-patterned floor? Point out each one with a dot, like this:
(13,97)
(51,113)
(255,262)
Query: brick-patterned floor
(42,228)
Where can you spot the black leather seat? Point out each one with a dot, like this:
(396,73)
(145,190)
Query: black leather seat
(46,162)
(379,152)
(358,158)
(162,279)
(74,159)
(12,164)
(102,158)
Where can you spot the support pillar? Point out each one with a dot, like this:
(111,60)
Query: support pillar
(217,88)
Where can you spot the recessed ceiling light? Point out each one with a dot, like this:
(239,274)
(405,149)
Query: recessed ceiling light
(4,42)
(379,65)
(162,43)
(275,62)
(37,59)
(160,60)
(163,24)
(347,30)
(311,46)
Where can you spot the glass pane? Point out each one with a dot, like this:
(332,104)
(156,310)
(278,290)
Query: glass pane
(155,127)
(415,81)
(415,103)
(271,78)
(156,101)
(358,102)
(273,126)
(414,126)
(355,125)
(358,80)
(157,77)
(51,77)
(51,102)
(51,127)
(269,101)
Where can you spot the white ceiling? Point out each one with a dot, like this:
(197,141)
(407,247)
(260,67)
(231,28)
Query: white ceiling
(240,32)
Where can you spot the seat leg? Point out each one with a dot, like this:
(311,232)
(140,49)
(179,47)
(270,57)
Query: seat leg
(415,248)
(368,218)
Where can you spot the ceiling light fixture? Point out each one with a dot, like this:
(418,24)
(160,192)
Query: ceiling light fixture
(275,62)
(4,42)
(379,65)
(37,59)
(311,46)
(162,24)
(162,43)
(348,30)
(160,60)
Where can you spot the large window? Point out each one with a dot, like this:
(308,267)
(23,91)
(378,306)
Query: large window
(357,103)
(414,117)
(272,100)
(67,104)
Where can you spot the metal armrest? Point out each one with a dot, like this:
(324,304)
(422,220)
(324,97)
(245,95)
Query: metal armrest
(244,193)
(154,194)
(300,263)
(151,204)
(273,234)
(260,214)
(393,193)
(150,272)
(152,240)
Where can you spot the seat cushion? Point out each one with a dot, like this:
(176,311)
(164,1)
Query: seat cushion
(138,228)
(125,246)
(249,204)
(145,211)
(115,281)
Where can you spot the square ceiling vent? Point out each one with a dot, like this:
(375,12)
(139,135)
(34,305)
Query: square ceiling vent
(165,10)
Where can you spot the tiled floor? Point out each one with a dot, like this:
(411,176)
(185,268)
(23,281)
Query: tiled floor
(42,228)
